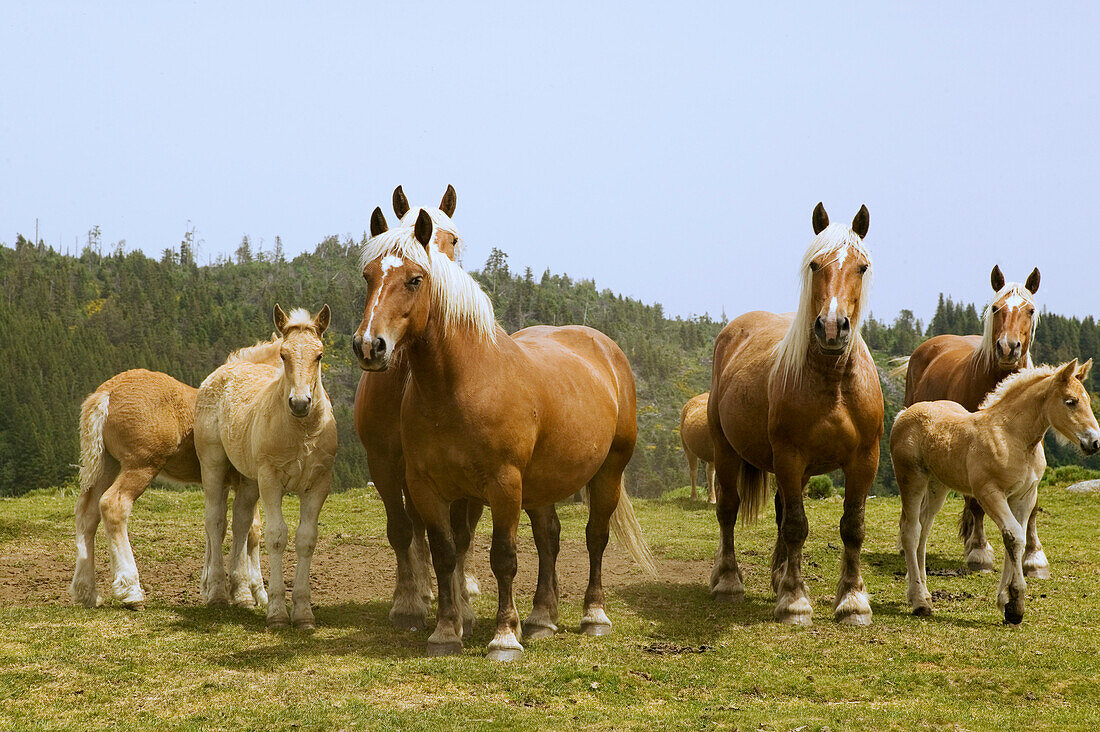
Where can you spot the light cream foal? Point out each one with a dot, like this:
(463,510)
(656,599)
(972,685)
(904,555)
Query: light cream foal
(274,425)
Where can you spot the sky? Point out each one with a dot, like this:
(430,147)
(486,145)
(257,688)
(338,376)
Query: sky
(672,152)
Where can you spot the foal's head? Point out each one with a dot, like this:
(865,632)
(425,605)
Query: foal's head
(1010,320)
(1068,407)
(837,266)
(301,352)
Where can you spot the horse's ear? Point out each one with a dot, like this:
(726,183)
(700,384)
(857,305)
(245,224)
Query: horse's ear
(1032,283)
(378,222)
(1083,370)
(820,218)
(861,222)
(279,317)
(400,203)
(447,205)
(322,320)
(997,278)
(423,229)
(1068,371)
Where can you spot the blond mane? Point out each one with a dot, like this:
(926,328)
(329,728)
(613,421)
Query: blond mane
(986,349)
(263,352)
(442,222)
(456,298)
(1019,381)
(790,353)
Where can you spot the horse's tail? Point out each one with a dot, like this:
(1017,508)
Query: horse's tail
(899,367)
(93,414)
(628,532)
(752,489)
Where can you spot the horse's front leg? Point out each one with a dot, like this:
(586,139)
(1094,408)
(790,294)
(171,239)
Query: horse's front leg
(212,585)
(1013,587)
(792,602)
(305,541)
(1035,559)
(505,500)
(543,620)
(726,582)
(275,536)
(852,606)
(435,512)
(979,554)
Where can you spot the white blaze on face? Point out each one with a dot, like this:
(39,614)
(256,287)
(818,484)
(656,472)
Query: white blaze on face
(1014,301)
(832,309)
(390,261)
(841,256)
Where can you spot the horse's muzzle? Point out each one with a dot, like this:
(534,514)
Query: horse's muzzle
(1090,443)
(299,406)
(832,336)
(374,358)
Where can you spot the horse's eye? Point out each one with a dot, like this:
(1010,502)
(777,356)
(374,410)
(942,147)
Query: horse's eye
(1031,311)
(414,283)
(318,356)
(1071,403)
(814,266)
(863,268)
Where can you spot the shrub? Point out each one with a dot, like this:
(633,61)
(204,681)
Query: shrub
(820,486)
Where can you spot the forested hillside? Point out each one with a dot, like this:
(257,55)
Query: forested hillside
(68,323)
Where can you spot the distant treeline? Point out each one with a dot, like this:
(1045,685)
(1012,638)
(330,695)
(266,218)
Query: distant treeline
(68,323)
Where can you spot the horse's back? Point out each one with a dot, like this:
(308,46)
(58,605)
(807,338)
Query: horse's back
(933,437)
(150,419)
(695,430)
(936,369)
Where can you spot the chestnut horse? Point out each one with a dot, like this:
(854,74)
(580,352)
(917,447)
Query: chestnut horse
(695,438)
(989,455)
(965,369)
(135,426)
(377,415)
(517,422)
(798,395)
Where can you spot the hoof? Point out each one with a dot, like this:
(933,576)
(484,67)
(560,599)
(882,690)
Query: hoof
(409,622)
(136,605)
(730,597)
(304,624)
(980,567)
(1037,572)
(922,612)
(596,629)
(1012,618)
(277,624)
(244,601)
(800,619)
(445,649)
(855,619)
(535,632)
(504,654)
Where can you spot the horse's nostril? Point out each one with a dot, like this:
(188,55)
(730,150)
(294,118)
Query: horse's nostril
(378,346)
(845,325)
(357,346)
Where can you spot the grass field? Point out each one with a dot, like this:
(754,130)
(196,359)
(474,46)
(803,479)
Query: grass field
(676,659)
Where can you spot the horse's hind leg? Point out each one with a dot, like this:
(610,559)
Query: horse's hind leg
(1035,559)
(473,514)
(693,470)
(933,502)
(543,620)
(83,589)
(603,495)
(405,531)
(711,497)
(460,530)
(255,571)
(725,578)
(852,606)
(979,553)
(240,563)
(913,486)
(115,507)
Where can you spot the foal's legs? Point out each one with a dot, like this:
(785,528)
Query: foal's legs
(979,553)
(543,620)
(1035,559)
(244,511)
(82,588)
(725,579)
(255,572)
(275,536)
(792,603)
(933,502)
(1013,588)
(711,498)
(693,470)
(852,606)
(115,506)
(213,583)
(305,541)
(913,486)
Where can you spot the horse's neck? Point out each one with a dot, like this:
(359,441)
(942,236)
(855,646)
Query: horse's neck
(830,373)
(277,421)
(983,375)
(1022,416)
(441,362)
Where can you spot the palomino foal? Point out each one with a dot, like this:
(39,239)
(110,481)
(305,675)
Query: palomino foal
(695,439)
(991,456)
(965,369)
(265,414)
(517,422)
(377,414)
(137,425)
(798,395)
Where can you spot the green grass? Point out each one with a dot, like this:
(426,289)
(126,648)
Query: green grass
(676,660)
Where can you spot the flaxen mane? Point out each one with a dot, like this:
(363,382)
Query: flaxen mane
(790,353)
(986,350)
(1019,381)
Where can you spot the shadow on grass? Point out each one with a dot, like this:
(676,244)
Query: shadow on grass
(687,503)
(688,613)
(901,610)
(893,564)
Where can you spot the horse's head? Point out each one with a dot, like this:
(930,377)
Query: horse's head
(1010,320)
(837,266)
(446,241)
(1068,407)
(301,353)
(397,304)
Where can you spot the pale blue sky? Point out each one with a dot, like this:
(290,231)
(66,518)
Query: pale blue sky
(670,151)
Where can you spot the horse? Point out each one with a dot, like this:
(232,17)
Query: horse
(135,426)
(990,456)
(965,369)
(377,415)
(695,438)
(265,414)
(798,395)
(517,422)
